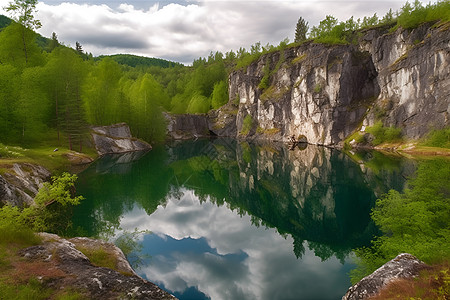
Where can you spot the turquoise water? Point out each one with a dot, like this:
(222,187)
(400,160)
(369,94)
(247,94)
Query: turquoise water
(231,220)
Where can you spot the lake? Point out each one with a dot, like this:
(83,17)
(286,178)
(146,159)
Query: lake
(223,219)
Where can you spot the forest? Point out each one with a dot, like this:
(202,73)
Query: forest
(52,92)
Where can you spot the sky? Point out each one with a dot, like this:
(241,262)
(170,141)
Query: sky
(184,30)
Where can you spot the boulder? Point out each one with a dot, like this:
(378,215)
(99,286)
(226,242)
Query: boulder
(116,139)
(66,267)
(403,266)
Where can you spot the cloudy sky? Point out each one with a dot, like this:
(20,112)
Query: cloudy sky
(183,30)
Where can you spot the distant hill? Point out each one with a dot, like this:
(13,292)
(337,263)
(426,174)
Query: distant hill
(40,40)
(124,59)
(4,21)
(134,61)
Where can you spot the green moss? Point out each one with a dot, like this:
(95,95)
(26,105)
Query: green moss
(317,88)
(272,93)
(384,134)
(299,59)
(247,125)
(99,257)
(269,131)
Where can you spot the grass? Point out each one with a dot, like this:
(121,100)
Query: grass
(54,161)
(99,257)
(438,138)
(431,284)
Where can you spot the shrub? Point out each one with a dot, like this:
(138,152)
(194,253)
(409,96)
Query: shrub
(416,221)
(384,134)
(438,138)
(247,125)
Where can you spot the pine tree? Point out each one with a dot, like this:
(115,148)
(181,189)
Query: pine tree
(78,47)
(301,30)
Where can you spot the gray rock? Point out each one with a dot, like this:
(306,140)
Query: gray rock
(413,75)
(324,93)
(20,184)
(403,266)
(75,270)
(116,139)
(183,127)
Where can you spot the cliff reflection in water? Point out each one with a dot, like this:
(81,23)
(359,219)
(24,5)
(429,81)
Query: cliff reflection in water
(316,199)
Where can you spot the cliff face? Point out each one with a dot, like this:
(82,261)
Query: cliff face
(324,93)
(414,78)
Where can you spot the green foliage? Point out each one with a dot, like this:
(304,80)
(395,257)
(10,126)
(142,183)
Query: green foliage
(438,138)
(14,228)
(412,16)
(31,290)
(128,242)
(265,81)
(61,190)
(300,30)
(416,221)
(22,11)
(49,214)
(220,94)
(198,104)
(246,125)
(135,61)
(384,134)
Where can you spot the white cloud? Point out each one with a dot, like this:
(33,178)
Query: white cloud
(263,265)
(184,30)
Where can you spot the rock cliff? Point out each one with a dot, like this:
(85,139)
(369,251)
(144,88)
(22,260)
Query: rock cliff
(323,93)
(116,139)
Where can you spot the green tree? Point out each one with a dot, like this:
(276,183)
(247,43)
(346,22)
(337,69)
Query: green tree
(65,73)
(22,12)
(33,106)
(9,93)
(324,28)
(147,98)
(416,221)
(301,30)
(199,104)
(101,93)
(53,42)
(78,47)
(219,95)
(18,47)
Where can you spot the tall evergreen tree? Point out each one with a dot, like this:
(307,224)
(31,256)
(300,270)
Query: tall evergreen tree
(301,30)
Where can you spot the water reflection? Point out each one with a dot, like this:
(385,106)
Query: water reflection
(240,221)
(215,250)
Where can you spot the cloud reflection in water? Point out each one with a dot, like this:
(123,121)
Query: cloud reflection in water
(221,254)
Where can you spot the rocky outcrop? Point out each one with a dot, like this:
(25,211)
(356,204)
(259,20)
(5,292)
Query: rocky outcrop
(184,127)
(116,139)
(317,92)
(64,266)
(20,184)
(403,266)
(413,75)
(323,93)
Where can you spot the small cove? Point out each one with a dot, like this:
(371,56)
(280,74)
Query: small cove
(238,220)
